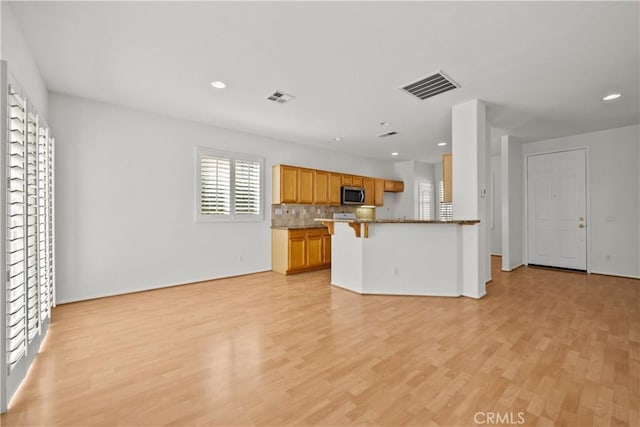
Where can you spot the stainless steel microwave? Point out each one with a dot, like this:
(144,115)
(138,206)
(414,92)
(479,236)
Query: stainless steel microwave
(352,196)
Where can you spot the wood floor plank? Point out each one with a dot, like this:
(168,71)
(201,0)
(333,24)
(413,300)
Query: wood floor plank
(561,348)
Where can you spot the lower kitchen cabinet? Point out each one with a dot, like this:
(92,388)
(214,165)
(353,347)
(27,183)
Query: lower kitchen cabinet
(298,250)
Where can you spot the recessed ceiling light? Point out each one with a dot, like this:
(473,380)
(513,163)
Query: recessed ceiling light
(385,123)
(442,143)
(611,97)
(337,139)
(394,154)
(218,85)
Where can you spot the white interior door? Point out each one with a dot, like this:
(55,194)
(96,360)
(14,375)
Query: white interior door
(557,209)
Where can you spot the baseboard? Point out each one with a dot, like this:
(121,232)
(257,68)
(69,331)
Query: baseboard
(626,276)
(169,285)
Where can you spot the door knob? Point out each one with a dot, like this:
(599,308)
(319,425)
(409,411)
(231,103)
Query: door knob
(581,225)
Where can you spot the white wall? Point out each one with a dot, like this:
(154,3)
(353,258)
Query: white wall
(470,172)
(405,201)
(512,200)
(614,197)
(495,207)
(22,65)
(125,199)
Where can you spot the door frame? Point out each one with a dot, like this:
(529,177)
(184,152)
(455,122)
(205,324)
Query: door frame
(587,199)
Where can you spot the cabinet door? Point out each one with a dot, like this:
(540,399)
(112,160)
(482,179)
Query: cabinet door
(335,182)
(398,186)
(288,184)
(356,181)
(378,192)
(447,177)
(314,251)
(346,179)
(297,253)
(305,186)
(326,249)
(321,187)
(389,185)
(369,197)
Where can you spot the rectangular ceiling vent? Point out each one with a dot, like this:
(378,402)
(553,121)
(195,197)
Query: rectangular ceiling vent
(280,97)
(432,85)
(384,135)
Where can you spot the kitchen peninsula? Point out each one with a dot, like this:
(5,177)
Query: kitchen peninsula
(398,257)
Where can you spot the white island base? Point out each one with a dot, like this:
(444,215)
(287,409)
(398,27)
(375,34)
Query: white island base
(399,258)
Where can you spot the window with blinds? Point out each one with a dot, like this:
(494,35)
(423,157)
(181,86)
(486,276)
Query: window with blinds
(229,186)
(446,208)
(29,229)
(425,200)
(247,182)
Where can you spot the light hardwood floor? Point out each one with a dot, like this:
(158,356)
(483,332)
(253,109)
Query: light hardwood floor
(267,349)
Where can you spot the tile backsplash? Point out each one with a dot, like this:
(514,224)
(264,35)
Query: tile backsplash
(300,215)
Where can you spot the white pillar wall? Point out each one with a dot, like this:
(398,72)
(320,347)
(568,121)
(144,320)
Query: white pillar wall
(470,187)
(512,203)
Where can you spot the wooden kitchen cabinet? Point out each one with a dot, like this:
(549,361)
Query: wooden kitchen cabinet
(393,186)
(378,192)
(447,177)
(305,186)
(284,184)
(291,184)
(314,247)
(369,196)
(335,184)
(326,249)
(320,187)
(298,250)
(297,253)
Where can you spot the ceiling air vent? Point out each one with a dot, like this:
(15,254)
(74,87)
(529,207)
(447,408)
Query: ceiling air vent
(430,86)
(280,97)
(384,135)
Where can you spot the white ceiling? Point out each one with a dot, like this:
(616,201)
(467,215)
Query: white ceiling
(543,67)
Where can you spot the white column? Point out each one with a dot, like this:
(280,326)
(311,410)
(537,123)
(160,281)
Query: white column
(470,178)
(512,203)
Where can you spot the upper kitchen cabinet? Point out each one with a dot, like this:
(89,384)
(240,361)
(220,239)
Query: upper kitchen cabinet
(305,186)
(393,186)
(378,192)
(321,188)
(291,184)
(335,182)
(369,197)
(447,177)
(284,185)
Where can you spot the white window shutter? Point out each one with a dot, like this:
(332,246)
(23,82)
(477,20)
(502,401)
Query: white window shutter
(247,187)
(215,186)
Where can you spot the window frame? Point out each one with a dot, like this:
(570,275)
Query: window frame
(232,216)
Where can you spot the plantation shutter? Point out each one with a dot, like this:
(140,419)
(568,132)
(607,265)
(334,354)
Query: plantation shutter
(446,208)
(16,230)
(425,200)
(247,187)
(27,234)
(33,299)
(215,185)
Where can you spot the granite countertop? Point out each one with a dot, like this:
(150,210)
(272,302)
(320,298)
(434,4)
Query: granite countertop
(297,227)
(401,221)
